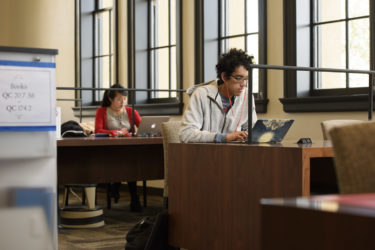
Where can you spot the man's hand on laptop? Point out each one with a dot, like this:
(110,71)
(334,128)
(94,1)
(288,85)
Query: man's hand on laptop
(237,136)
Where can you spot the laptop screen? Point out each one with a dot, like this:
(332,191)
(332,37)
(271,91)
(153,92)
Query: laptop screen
(271,130)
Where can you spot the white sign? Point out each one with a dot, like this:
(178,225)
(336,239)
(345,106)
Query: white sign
(58,122)
(27,96)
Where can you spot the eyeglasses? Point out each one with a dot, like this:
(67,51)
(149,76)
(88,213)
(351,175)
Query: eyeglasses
(240,79)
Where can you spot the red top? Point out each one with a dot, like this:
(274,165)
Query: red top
(101,120)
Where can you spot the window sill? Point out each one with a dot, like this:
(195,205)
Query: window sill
(160,108)
(326,103)
(143,109)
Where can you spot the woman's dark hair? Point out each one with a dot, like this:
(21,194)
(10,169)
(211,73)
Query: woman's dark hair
(230,61)
(110,94)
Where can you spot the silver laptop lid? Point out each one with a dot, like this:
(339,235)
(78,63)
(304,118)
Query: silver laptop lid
(151,126)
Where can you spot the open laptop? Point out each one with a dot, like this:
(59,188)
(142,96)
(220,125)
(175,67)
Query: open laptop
(270,130)
(151,126)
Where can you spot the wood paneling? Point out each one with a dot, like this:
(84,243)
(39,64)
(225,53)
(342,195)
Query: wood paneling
(288,226)
(109,160)
(215,189)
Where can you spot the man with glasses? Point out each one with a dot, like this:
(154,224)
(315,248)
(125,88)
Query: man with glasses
(217,110)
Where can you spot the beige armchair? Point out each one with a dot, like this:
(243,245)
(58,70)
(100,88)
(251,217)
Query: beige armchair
(170,135)
(354,157)
(329,124)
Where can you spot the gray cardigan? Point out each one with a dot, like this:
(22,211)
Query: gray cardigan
(204,116)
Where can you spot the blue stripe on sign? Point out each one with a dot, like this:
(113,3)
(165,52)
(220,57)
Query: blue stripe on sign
(26,128)
(28,64)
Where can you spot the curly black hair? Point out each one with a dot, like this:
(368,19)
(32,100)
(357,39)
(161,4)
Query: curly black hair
(230,61)
(110,94)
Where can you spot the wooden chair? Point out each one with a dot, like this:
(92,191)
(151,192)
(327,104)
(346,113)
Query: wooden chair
(170,135)
(354,157)
(329,124)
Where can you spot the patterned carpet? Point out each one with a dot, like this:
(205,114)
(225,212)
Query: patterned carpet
(118,221)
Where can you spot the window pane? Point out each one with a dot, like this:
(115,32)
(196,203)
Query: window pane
(358,8)
(236,16)
(227,44)
(105,72)
(253,47)
(160,68)
(102,45)
(173,21)
(332,80)
(102,75)
(105,4)
(359,51)
(252,16)
(173,71)
(97,74)
(238,42)
(112,68)
(255,80)
(161,22)
(331,54)
(253,50)
(330,10)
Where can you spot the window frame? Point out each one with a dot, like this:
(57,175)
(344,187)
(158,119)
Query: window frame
(299,92)
(208,40)
(87,31)
(97,53)
(314,51)
(153,77)
(139,55)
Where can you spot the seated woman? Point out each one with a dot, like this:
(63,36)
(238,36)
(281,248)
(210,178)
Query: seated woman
(115,118)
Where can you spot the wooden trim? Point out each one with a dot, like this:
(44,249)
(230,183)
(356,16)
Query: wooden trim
(107,141)
(289,9)
(261,105)
(325,104)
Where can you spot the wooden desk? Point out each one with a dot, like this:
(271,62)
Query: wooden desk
(215,189)
(103,160)
(342,222)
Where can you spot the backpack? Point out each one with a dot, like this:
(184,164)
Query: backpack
(72,129)
(149,233)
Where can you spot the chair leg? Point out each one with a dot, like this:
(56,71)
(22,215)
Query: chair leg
(96,197)
(90,193)
(144,193)
(165,202)
(116,191)
(66,197)
(109,195)
(83,196)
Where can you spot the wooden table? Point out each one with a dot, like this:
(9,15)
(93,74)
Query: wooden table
(103,160)
(215,189)
(342,222)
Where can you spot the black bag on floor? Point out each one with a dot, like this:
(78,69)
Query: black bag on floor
(150,233)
